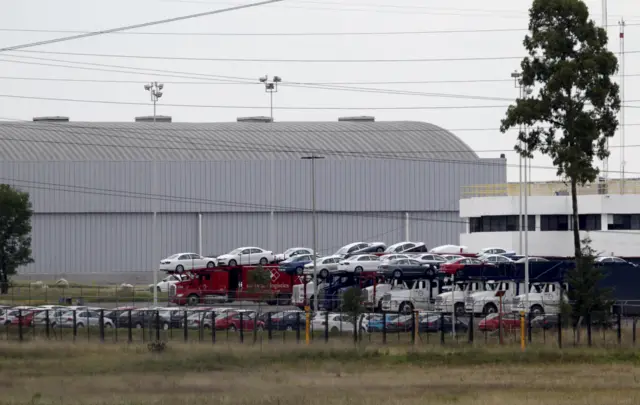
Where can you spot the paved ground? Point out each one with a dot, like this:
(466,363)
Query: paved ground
(260,307)
(137,277)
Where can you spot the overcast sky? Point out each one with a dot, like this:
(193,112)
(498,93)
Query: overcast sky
(478,78)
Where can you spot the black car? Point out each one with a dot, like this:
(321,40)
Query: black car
(407,247)
(406,268)
(150,318)
(286,320)
(430,258)
(435,323)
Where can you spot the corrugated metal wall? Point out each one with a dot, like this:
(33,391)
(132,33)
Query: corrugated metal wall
(342,185)
(96,217)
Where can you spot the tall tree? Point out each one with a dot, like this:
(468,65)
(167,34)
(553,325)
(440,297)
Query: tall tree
(15,230)
(573,107)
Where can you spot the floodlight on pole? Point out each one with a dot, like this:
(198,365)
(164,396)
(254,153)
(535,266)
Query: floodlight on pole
(155,91)
(518,83)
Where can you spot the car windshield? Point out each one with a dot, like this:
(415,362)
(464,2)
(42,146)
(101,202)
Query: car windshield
(492,316)
(173,256)
(235,251)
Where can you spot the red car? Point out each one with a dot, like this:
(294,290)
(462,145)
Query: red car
(231,321)
(457,264)
(510,321)
(27,319)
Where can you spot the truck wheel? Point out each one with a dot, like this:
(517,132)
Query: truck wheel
(458,308)
(232,328)
(537,310)
(210,265)
(397,274)
(264,261)
(193,300)
(232,263)
(379,307)
(357,270)
(324,273)
(299,271)
(489,309)
(406,308)
(179,268)
(380,249)
(159,289)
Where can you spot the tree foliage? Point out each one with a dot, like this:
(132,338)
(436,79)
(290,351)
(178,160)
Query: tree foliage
(574,102)
(352,302)
(259,279)
(585,295)
(15,230)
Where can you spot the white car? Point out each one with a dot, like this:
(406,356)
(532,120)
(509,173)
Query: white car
(533,259)
(359,264)
(450,258)
(336,323)
(496,251)
(610,260)
(449,249)
(385,259)
(246,256)
(351,248)
(296,251)
(83,319)
(495,259)
(165,284)
(430,258)
(186,261)
(326,265)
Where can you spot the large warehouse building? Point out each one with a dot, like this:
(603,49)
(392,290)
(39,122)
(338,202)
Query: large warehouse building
(95,187)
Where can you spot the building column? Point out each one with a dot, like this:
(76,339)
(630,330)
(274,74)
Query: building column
(538,223)
(200,234)
(604,222)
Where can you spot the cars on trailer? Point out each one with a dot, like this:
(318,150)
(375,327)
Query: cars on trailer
(448,249)
(326,266)
(186,261)
(357,248)
(496,251)
(295,264)
(430,258)
(532,259)
(458,264)
(407,247)
(295,251)
(246,256)
(359,264)
(406,268)
(385,259)
(491,258)
(450,258)
(609,260)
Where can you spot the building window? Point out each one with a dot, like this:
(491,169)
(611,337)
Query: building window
(625,222)
(475,224)
(498,223)
(554,222)
(589,222)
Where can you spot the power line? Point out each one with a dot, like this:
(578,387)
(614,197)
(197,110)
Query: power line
(262,60)
(135,26)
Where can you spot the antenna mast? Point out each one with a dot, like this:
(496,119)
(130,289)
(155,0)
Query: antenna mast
(622,108)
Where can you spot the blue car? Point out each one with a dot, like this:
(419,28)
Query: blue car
(376,322)
(295,264)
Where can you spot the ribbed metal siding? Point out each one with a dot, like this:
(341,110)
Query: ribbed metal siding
(359,185)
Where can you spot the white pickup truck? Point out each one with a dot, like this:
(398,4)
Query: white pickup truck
(417,296)
(486,302)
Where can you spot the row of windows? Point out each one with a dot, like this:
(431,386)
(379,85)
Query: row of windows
(509,223)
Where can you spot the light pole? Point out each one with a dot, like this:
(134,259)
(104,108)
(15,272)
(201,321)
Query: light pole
(271,86)
(516,78)
(155,90)
(313,159)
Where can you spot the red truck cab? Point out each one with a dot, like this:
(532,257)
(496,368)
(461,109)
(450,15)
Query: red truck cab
(233,283)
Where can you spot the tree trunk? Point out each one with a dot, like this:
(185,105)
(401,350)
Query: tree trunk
(574,220)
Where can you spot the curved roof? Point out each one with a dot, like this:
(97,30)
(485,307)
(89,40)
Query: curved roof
(140,141)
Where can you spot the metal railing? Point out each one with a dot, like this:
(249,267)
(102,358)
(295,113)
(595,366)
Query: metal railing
(630,186)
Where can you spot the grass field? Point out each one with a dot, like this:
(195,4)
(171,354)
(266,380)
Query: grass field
(24,293)
(57,373)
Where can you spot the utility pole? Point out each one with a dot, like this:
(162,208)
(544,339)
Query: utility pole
(313,159)
(518,83)
(271,86)
(155,90)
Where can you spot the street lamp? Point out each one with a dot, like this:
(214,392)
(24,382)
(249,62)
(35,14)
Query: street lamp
(271,86)
(155,90)
(516,79)
(313,159)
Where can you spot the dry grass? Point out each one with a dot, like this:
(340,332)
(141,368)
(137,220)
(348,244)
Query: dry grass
(55,373)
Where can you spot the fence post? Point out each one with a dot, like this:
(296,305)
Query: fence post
(269,325)
(414,327)
(384,328)
(560,331)
(529,332)
(633,330)
(326,327)
(102,325)
(157,326)
(20,337)
(442,328)
(355,328)
(185,331)
(241,327)
(589,330)
(619,328)
(75,326)
(298,327)
(47,323)
(213,327)
(471,328)
(129,331)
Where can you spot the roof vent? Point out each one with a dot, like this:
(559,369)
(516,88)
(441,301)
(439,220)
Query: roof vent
(362,118)
(255,119)
(502,156)
(151,118)
(51,119)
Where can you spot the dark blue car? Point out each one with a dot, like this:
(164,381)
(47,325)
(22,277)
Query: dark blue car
(295,264)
